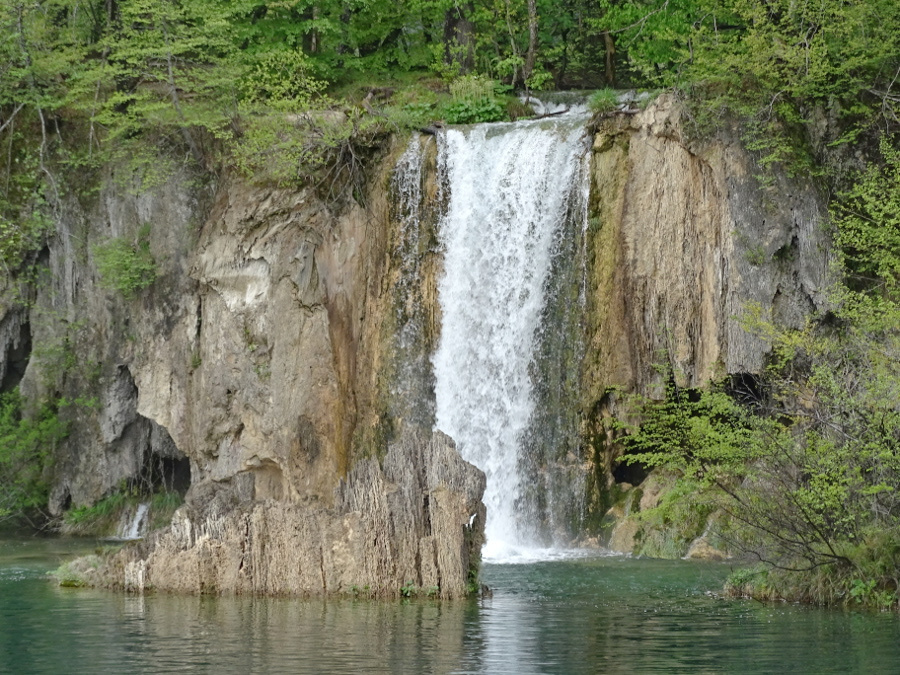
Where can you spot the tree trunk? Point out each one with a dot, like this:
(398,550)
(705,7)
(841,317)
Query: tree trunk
(531,54)
(610,58)
(459,39)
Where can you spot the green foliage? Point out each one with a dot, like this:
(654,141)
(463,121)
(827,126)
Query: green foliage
(103,517)
(473,112)
(126,266)
(702,436)
(473,101)
(806,473)
(20,233)
(76,573)
(867,216)
(770,63)
(27,443)
(281,80)
(163,505)
(604,100)
(472,88)
(100,516)
(667,529)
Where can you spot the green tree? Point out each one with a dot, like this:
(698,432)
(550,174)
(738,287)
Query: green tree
(868,225)
(26,449)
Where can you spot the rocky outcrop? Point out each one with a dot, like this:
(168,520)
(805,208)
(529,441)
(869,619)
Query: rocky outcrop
(686,239)
(414,522)
(281,358)
(261,369)
(266,343)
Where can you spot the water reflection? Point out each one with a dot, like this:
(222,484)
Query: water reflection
(609,615)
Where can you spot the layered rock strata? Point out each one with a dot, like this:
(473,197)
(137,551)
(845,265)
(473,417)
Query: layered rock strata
(414,522)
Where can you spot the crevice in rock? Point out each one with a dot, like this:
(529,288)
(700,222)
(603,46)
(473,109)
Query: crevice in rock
(18,353)
(746,389)
(633,473)
(171,474)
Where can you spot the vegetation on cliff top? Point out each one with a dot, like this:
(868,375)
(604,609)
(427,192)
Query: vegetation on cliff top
(234,83)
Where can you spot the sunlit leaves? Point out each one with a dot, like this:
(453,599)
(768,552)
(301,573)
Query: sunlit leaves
(868,219)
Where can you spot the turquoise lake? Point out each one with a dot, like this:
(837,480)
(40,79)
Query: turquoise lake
(585,615)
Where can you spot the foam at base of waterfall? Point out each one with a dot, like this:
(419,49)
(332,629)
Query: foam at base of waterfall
(504,553)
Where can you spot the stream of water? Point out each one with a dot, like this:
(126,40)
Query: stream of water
(511,188)
(581,615)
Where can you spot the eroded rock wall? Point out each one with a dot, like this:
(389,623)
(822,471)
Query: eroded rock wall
(685,238)
(265,346)
(264,356)
(413,521)
(274,351)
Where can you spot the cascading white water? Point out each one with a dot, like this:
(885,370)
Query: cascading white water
(510,191)
(134,524)
(412,381)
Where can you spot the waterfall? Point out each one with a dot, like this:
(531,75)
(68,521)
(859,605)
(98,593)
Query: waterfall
(133,524)
(412,382)
(514,190)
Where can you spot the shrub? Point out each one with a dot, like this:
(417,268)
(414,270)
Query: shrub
(474,100)
(603,100)
(26,448)
(474,112)
(99,517)
(281,79)
(126,266)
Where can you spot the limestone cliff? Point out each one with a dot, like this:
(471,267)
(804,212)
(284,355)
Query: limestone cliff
(258,368)
(686,239)
(414,521)
(280,360)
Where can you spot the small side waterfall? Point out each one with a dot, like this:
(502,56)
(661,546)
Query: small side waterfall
(134,523)
(515,199)
(412,381)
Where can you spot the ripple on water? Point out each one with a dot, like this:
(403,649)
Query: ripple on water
(16,574)
(585,613)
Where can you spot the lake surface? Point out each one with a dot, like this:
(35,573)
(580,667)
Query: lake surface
(586,615)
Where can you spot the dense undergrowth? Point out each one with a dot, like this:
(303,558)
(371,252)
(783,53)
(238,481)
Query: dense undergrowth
(27,442)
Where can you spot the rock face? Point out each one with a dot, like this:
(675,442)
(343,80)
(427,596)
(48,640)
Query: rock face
(268,365)
(259,368)
(685,239)
(416,520)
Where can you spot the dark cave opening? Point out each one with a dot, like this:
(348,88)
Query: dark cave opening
(17,356)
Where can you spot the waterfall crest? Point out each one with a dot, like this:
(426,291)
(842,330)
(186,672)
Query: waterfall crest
(511,192)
